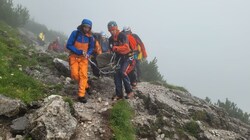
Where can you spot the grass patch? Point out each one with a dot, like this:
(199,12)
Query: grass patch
(63,56)
(192,128)
(13,60)
(165,84)
(199,115)
(120,120)
(70,102)
(175,87)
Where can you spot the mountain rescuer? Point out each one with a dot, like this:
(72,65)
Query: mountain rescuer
(134,46)
(119,44)
(81,46)
(139,54)
(41,38)
(104,43)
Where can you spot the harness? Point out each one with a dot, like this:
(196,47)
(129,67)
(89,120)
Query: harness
(110,68)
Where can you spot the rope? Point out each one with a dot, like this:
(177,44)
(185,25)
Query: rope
(103,72)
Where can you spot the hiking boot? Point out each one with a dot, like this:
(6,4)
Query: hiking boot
(130,95)
(115,97)
(88,91)
(82,99)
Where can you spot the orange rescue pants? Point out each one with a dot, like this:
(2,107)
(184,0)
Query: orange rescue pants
(79,72)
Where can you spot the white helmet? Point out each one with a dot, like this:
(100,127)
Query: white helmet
(126,29)
(103,34)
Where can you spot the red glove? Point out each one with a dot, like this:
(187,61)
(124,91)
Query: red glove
(114,49)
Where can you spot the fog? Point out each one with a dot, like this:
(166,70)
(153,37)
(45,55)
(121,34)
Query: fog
(200,45)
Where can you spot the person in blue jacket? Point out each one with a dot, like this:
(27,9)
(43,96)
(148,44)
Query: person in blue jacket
(81,46)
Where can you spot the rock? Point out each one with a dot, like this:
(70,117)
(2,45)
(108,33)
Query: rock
(106,103)
(11,107)
(176,137)
(67,80)
(103,110)
(35,104)
(82,113)
(158,138)
(62,66)
(19,125)
(19,137)
(164,108)
(162,136)
(53,120)
(99,99)
(212,134)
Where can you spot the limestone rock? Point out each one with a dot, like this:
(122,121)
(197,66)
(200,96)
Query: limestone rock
(11,107)
(53,120)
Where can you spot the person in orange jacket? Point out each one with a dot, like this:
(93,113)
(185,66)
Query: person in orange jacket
(119,44)
(139,54)
(81,46)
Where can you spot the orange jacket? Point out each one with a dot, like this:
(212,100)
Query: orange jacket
(98,49)
(142,47)
(120,43)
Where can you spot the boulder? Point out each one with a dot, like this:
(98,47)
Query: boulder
(53,120)
(11,107)
(83,112)
(62,66)
(19,125)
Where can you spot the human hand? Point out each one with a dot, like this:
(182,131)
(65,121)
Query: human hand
(114,49)
(85,55)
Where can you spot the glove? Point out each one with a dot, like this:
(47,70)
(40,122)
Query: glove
(114,49)
(85,54)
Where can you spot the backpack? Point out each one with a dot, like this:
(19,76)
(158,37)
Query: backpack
(134,46)
(132,43)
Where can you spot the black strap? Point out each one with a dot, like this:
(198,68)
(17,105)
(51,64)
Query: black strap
(77,34)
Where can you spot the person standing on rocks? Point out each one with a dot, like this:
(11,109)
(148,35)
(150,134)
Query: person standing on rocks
(104,43)
(41,38)
(139,54)
(119,44)
(81,46)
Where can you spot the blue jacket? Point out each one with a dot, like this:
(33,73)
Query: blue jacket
(81,38)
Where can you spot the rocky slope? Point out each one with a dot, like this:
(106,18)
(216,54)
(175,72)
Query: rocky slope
(160,113)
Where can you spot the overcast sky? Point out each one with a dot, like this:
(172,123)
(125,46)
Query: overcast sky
(202,45)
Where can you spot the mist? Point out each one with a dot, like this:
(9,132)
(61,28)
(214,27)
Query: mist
(200,45)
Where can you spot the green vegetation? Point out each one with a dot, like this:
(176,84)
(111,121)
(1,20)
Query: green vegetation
(199,115)
(234,111)
(192,128)
(70,102)
(14,16)
(13,60)
(150,71)
(18,16)
(151,74)
(175,87)
(50,35)
(208,100)
(120,120)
